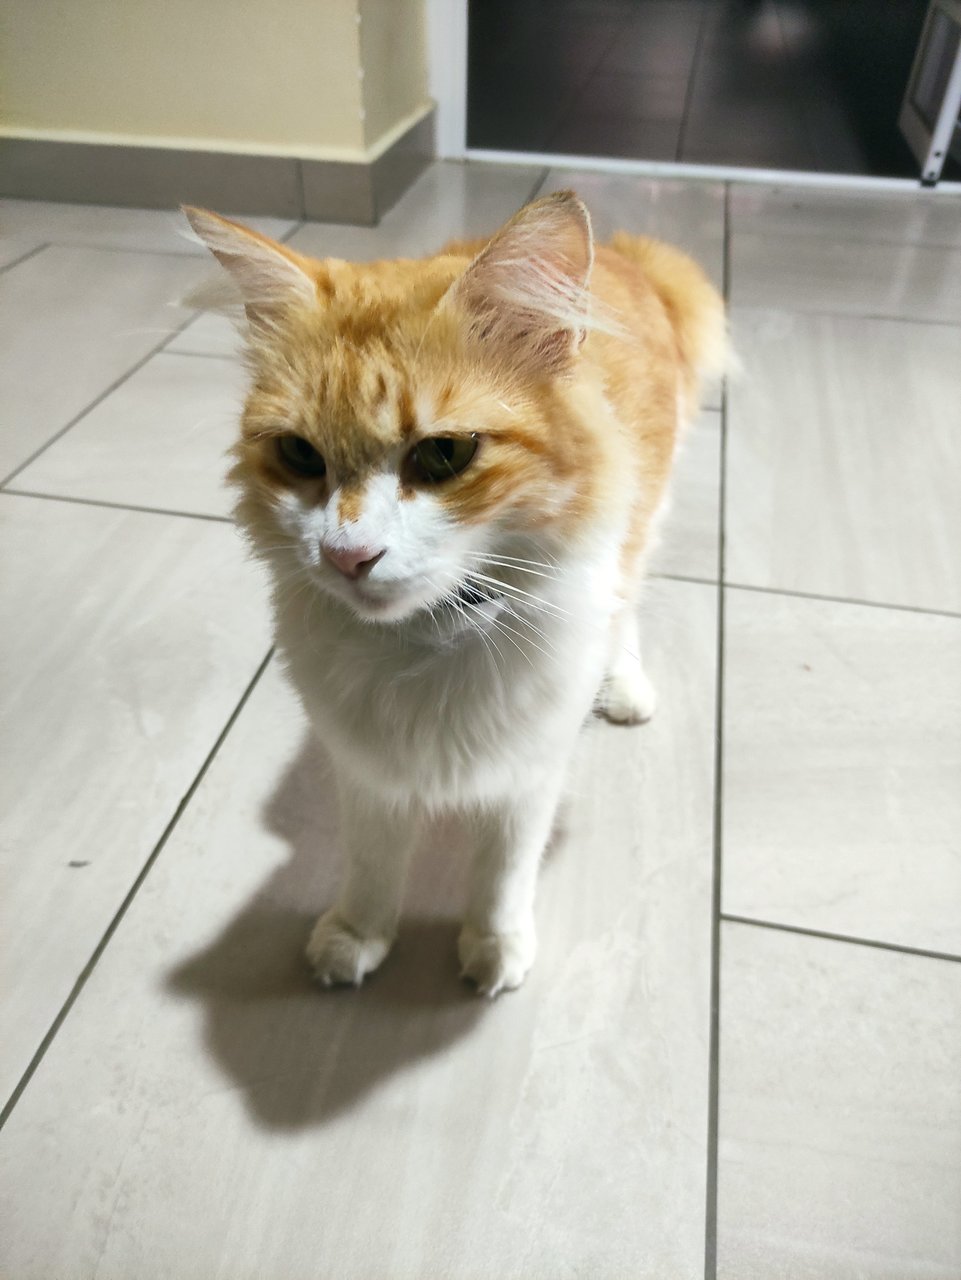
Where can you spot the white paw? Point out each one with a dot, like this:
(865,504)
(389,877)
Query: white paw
(496,961)
(338,954)
(627,696)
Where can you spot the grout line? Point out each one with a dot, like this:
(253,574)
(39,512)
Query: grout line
(24,257)
(302,222)
(682,577)
(575,100)
(799,107)
(866,604)
(111,929)
(535,190)
(714,1061)
(115,506)
(740,308)
(842,937)
(299,170)
(752,224)
(689,94)
(199,355)
(185,255)
(99,399)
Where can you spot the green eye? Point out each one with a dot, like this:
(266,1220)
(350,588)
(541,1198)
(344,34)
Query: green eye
(300,455)
(441,457)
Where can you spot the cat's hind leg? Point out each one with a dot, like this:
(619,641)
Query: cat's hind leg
(353,937)
(627,695)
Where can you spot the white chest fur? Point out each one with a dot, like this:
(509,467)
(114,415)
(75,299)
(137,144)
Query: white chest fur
(453,720)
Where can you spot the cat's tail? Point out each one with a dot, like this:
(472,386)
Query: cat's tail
(695,307)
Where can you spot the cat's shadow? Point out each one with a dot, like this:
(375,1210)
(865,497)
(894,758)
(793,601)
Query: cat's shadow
(299,1055)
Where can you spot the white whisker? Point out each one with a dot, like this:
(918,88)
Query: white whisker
(538,602)
(496,625)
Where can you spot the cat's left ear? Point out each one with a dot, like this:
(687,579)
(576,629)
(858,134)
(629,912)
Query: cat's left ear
(526,295)
(270,277)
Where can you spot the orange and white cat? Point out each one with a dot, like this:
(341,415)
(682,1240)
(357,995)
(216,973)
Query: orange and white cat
(463,459)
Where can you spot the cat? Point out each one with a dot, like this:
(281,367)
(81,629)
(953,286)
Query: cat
(453,468)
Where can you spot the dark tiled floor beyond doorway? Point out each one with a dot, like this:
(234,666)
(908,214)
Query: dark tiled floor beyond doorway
(776,84)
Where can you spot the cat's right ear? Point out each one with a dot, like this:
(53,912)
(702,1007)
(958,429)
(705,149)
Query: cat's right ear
(269,277)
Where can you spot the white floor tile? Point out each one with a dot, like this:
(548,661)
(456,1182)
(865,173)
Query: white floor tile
(844,448)
(159,440)
(929,218)
(127,641)
(840,1113)
(688,214)
(14,249)
(214,1114)
(208,335)
(689,544)
(72,321)
(842,760)
(853,277)
(448,201)
(108,227)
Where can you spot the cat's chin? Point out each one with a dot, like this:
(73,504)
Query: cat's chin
(389,609)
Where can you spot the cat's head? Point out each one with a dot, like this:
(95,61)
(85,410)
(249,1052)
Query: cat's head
(408,419)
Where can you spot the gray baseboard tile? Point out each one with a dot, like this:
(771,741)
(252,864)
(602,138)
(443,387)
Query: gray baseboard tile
(162,177)
(336,192)
(400,165)
(148,177)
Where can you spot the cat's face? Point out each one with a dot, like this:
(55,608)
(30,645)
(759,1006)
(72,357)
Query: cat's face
(405,427)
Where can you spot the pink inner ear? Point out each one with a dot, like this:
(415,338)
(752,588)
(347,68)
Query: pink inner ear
(527,293)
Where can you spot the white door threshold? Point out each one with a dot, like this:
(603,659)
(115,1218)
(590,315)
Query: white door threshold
(708,172)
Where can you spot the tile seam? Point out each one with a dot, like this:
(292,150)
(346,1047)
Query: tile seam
(850,939)
(924,610)
(714,1059)
(97,400)
(128,899)
(25,257)
(106,504)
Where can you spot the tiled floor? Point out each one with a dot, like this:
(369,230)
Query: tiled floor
(739,1052)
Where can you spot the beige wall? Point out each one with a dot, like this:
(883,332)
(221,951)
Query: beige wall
(280,76)
(393,46)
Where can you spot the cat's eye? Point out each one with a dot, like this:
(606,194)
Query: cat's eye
(441,457)
(300,456)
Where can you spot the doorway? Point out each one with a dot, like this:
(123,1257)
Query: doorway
(809,85)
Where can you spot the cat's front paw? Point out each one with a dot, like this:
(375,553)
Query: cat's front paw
(338,954)
(627,696)
(496,961)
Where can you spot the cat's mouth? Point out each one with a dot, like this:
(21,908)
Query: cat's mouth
(467,604)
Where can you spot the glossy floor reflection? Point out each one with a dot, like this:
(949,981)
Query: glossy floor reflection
(738,1053)
(775,84)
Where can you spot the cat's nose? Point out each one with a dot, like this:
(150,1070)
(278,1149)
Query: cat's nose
(352,561)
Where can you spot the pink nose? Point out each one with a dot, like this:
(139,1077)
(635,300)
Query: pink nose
(352,561)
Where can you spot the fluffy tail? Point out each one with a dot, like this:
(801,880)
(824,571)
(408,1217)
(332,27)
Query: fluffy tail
(693,304)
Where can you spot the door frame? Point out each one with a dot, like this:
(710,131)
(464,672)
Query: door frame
(931,139)
(446,31)
(447,74)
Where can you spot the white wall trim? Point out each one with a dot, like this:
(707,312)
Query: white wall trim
(447,74)
(707,172)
